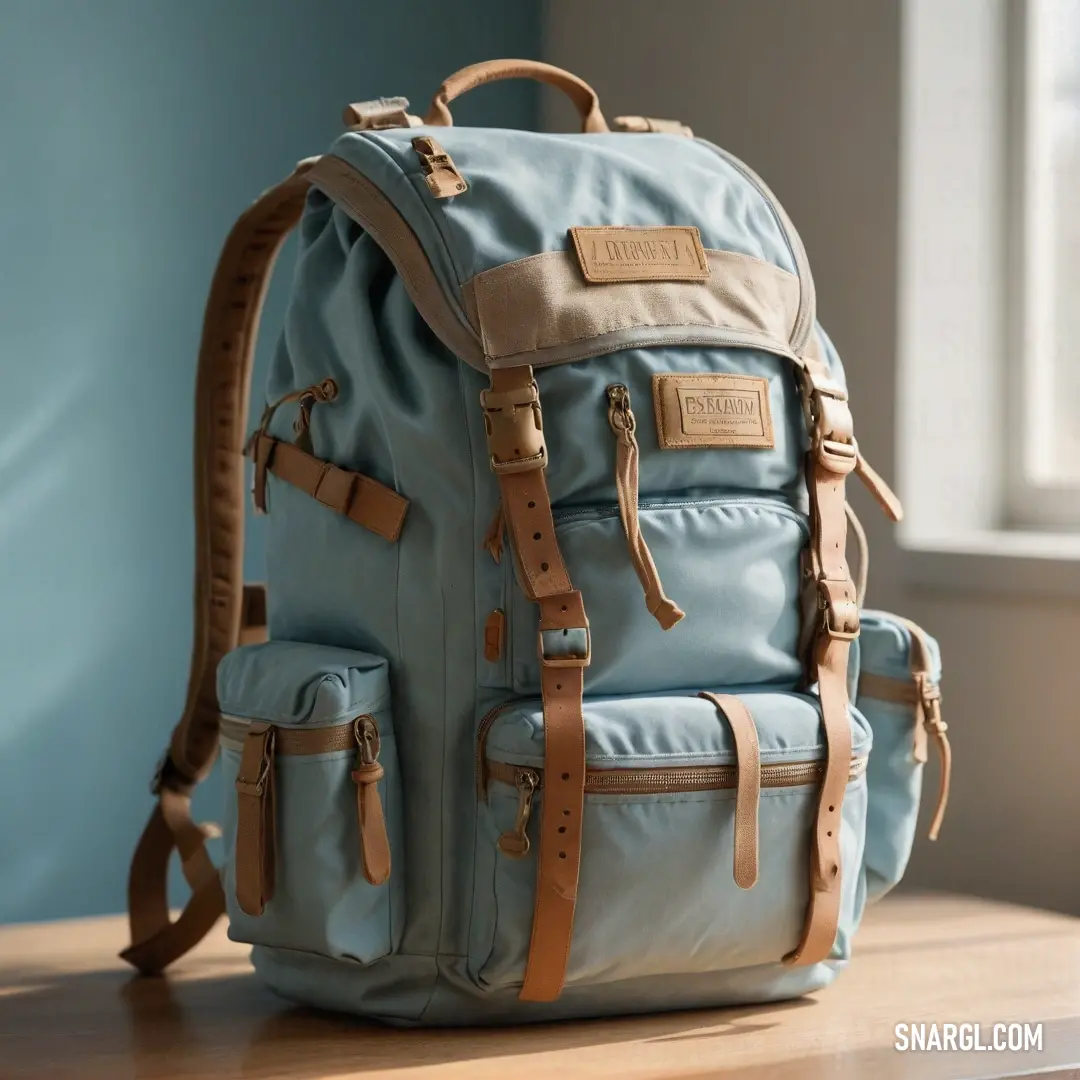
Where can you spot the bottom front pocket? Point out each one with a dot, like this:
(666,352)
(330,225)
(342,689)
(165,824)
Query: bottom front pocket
(657,893)
(900,673)
(313,821)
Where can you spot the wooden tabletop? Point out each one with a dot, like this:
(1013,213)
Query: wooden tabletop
(69,1009)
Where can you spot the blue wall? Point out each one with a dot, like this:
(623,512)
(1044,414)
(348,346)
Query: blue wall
(132,132)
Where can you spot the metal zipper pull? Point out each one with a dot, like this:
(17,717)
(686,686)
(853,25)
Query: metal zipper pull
(374,843)
(440,172)
(515,843)
(622,421)
(255,820)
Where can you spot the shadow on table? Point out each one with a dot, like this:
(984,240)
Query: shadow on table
(109,1025)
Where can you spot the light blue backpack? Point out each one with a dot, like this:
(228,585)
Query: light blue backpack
(554,716)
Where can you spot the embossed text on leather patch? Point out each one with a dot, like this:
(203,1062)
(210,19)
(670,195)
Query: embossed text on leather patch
(712,410)
(629,253)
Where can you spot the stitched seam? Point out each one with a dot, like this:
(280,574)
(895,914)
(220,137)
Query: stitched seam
(634,326)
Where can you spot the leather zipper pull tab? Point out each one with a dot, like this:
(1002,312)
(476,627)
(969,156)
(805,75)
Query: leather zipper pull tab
(932,723)
(256,814)
(623,422)
(493,539)
(371,822)
(440,173)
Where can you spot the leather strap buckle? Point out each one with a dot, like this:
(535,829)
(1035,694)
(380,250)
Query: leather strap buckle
(840,611)
(570,647)
(837,456)
(515,429)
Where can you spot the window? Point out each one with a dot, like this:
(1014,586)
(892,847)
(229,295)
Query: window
(1044,286)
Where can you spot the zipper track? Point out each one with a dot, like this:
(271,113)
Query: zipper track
(681,778)
(775,503)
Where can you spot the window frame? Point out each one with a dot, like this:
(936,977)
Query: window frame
(1030,501)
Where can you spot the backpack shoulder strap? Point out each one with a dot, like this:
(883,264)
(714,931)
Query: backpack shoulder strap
(221,405)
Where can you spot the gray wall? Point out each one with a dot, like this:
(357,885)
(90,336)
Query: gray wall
(809,95)
(132,134)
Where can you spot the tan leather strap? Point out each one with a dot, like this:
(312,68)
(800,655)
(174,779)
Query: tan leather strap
(256,817)
(518,455)
(223,383)
(367,502)
(831,457)
(156,940)
(468,78)
(748,792)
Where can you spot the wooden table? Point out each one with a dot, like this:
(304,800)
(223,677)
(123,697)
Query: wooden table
(69,1009)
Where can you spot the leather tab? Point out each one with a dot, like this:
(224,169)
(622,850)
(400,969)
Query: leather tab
(255,820)
(371,822)
(494,633)
(748,792)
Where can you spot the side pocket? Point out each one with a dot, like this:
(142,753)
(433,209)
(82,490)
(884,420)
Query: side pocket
(898,693)
(313,847)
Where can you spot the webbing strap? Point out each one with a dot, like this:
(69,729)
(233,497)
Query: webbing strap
(519,454)
(223,383)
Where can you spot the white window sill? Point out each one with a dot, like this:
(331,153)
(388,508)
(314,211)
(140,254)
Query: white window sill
(999,561)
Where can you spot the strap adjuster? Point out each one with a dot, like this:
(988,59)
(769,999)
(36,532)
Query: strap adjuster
(840,611)
(570,647)
(515,429)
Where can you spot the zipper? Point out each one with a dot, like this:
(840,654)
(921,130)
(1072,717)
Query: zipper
(662,781)
(622,421)
(360,735)
(775,503)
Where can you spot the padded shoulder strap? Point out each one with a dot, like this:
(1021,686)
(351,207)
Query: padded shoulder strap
(221,404)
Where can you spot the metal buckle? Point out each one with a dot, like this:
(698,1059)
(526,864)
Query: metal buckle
(515,429)
(840,614)
(557,649)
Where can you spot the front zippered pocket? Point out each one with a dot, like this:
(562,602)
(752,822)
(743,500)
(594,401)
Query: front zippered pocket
(313,823)
(719,556)
(685,779)
(659,837)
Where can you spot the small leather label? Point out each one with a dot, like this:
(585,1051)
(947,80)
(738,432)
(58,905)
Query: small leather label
(629,253)
(713,410)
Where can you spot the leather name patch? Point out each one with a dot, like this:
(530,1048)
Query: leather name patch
(628,253)
(712,410)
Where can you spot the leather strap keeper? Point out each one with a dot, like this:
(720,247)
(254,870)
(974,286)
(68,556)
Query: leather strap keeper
(370,504)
